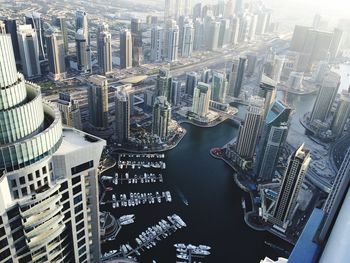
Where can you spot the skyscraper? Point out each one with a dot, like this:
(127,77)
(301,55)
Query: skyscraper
(239,7)
(272,140)
(187,39)
(122,113)
(29,51)
(336,42)
(325,97)
(161,117)
(201,99)
(249,130)
(273,66)
(342,114)
(70,111)
(235,22)
(56,55)
(81,22)
(198,39)
(236,77)
(292,180)
(11,28)
(83,51)
(125,49)
(172,42)
(191,82)
(61,23)
(49,188)
(157,37)
(224,26)
(218,87)
(268,92)
(34,19)
(175,92)
(104,49)
(212,35)
(251,63)
(98,101)
(136,34)
(163,86)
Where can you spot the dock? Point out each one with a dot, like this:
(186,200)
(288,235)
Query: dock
(126,178)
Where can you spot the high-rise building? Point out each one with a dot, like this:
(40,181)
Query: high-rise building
(70,111)
(320,72)
(179,8)
(161,117)
(212,35)
(83,51)
(56,55)
(29,51)
(172,42)
(239,7)
(201,99)
(175,92)
(273,136)
(125,49)
(81,22)
(218,87)
(252,27)
(122,113)
(336,43)
(187,39)
(198,39)
(224,27)
(292,180)
(206,75)
(61,23)
(168,9)
(268,92)
(104,49)
(234,25)
(163,86)
(244,27)
(342,114)
(191,82)
(251,63)
(236,77)
(136,34)
(98,101)
(34,19)
(157,37)
(249,130)
(273,66)
(261,24)
(325,97)
(11,28)
(49,184)
(197,11)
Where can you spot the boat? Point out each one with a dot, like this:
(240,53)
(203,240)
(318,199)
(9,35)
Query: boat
(180,245)
(182,256)
(204,247)
(243,203)
(128,247)
(181,250)
(201,252)
(126,217)
(127,222)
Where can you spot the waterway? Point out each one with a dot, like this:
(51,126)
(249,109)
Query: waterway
(214,215)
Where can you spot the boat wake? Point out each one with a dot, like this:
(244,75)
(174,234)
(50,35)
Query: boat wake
(182,196)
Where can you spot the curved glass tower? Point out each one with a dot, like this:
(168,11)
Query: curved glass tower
(48,188)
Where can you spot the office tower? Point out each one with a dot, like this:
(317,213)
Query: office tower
(175,92)
(325,97)
(212,35)
(122,113)
(81,22)
(218,87)
(236,77)
(56,55)
(181,23)
(34,19)
(292,180)
(179,8)
(295,81)
(273,65)
(61,23)
(104,49)
(11,28)
(125,49)
(157,36)
(201,99)
(229,9)
(234,25)
(251,63)
(198,38)
(244,27)
(273,137)
(49,188)
(163,86)
(188,7)
(239,7)
(70,111)
(83,51)
(206,75)
(341,114)
(98,101)
(197,11)
(268,92)
(249,130)
(187,39)
(154,20)
(168,9)
(252,27)
(172,42)
(191,82)
(335,44)
(224,26)
(321,71)
(261,24)
(136,34)
(29,51)
(161,117)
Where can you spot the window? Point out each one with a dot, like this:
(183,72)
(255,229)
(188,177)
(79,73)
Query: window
(66,216)
(64,186)
(24,191)
(82,167)
(50,166)
(81,234)
(22,180)
(16,224)
(78,209)
(80,226)
(82,258)
(18,234)
(79,218)
(65,196)
(81,242)
(30,177)
(39,183)
(5,254)
(37,174)
(15,194)
(45,179)
(66,206)
(3,243)
(44,170)
(76,189)
(13,183)
(75,180)
(32,189)
(77,199)
(2,231)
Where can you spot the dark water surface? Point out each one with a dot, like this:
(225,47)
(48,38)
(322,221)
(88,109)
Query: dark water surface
(214,215)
